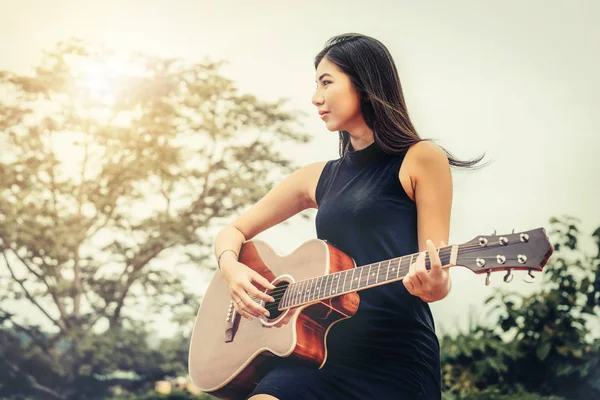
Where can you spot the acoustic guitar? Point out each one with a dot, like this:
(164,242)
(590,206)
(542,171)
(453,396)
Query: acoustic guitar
(315,287)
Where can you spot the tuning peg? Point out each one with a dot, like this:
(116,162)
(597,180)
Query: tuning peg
(532,277)
(494,233)
(508,277)
(513,231)
(488,278)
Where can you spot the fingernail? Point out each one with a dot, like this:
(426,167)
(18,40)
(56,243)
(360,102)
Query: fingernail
(267,314)
(272,300)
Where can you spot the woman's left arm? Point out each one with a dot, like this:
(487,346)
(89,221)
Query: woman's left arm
(432,182)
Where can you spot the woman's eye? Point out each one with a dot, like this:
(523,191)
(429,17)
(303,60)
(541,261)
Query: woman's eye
(325,82)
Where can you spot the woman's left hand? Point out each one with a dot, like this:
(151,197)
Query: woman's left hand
(432,285)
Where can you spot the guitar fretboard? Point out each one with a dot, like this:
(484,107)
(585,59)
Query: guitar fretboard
(364,277)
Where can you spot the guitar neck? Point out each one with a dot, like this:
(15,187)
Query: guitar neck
(355,279)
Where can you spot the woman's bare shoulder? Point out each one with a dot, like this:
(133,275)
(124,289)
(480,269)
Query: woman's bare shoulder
(422,158)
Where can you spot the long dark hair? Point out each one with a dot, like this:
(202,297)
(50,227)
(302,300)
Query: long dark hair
(373,74)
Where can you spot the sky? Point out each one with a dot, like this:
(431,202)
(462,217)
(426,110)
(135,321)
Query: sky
(515,80)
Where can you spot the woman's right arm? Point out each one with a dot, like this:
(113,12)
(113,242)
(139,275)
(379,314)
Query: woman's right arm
(287,198)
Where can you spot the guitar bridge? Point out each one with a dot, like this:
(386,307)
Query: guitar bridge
(230,323)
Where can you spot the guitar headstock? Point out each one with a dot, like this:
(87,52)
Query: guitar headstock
(528,251)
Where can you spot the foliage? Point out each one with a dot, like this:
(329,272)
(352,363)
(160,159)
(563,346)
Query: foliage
(542,344)
(114,172)
(175,395)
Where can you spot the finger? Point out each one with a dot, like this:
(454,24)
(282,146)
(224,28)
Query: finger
(410,278)
(253,290)
(245,314)
(409,285)
(418,277)
(420,270)
(252,306)
(246,303)
(262,281)
(411,267)
(406,282)
(239,308)
(435,264)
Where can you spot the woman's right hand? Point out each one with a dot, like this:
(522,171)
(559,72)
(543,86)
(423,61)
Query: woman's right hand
(240,278)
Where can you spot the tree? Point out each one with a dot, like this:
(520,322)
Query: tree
(541,344)
(110,166)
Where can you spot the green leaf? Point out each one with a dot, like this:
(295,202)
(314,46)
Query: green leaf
(564,369)
(543,350)
(585,285)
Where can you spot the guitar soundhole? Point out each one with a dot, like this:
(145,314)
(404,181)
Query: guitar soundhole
(277,294)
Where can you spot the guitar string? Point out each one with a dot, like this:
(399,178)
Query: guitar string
(444,251)
(441,254)
(278,296)
(380,274)
(279,292)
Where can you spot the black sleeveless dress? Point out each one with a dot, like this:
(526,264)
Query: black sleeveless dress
(388,349)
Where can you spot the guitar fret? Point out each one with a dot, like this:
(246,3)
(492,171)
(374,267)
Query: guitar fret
(324,286)
(387,270)
(298,293)
(301,291)
(349,279)
(293,294)
(283,302)
(370,274)
(308,291)
(320,285)
(360,277)
(333,284)
(336,280)
(401,267)
(363,271)
(331,280)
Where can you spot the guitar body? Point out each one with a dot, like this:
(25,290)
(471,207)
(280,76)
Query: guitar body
(229,354)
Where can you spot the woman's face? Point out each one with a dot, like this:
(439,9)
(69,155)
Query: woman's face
(336,95)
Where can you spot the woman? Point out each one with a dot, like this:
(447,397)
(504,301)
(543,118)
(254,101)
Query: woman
(389,194)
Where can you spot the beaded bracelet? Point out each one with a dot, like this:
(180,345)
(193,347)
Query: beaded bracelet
(220,255)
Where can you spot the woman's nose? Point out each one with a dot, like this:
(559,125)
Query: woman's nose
(317,99)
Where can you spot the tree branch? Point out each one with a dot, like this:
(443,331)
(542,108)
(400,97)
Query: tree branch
(51,290)
(99,310)
(28,295)
(77,286)
(138,263)
(31,380)
(33,337)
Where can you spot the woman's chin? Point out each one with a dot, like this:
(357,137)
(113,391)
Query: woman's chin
(331,127)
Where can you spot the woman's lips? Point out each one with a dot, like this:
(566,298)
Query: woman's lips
(324,115)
